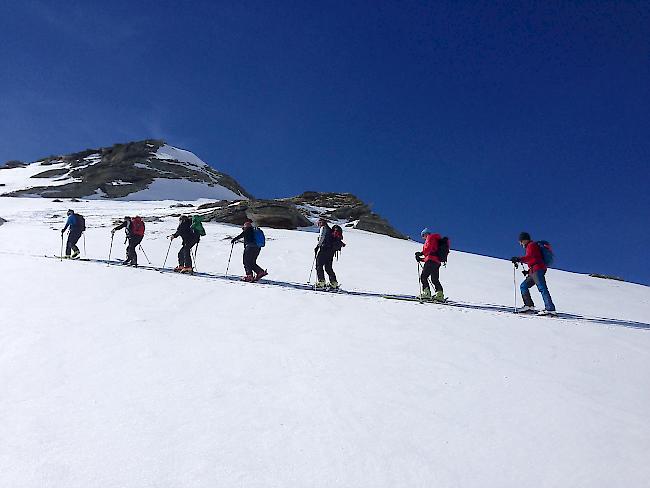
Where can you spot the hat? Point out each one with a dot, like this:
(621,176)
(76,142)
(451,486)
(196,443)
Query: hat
(70,211)
(524,236)
(425,231)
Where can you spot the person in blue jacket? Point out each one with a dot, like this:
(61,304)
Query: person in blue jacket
(76,225)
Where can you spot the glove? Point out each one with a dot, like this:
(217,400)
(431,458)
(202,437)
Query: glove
(62,231)
(525,272)
(419,256)
(112,232)
(514,259)
(232,241)
(316,250)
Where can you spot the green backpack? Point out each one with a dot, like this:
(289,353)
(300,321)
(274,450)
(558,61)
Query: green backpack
(197,225)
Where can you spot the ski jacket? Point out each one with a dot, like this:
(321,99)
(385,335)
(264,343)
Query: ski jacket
(325,237)
(533,257)
(126,224)
(249,237)
(73,223)
(430,248)
(185,232)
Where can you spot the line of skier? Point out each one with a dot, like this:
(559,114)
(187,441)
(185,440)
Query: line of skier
(537,255)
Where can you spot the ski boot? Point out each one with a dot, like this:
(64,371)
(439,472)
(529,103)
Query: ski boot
(261,275)
(549,313)
(333,286)
(178,269)
(439,297)
(187,270)
(526,309)
(75,254)
(248,278)
(320,285)
(425,295)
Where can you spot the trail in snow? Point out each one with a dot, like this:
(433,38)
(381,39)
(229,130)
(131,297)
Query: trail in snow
(452,303)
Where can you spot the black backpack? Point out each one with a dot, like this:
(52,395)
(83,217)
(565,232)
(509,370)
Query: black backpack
(81,223)
(443,249)
(336,238)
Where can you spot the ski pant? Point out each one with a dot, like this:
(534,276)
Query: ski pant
(324,260)
(250,260)
(431,270)
(185,254)
(71,245)
(131,255)
(536,278)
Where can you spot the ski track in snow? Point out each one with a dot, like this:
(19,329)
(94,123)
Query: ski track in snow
(111,376)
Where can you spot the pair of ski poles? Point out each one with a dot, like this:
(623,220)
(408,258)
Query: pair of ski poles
(110,251)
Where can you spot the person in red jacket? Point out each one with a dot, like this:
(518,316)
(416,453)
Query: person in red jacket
(534,276)
(431,268)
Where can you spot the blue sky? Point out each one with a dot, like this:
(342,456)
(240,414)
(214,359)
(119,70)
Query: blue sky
(476,119)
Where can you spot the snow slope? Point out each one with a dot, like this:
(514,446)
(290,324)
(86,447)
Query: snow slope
(111,376)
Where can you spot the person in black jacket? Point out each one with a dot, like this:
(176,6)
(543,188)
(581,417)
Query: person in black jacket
(324,254)
(190,238)
(133,237)
(251,252)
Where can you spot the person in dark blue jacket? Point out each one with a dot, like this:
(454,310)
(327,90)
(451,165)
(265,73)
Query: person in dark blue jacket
(251,252)
(76,225)
(190,238)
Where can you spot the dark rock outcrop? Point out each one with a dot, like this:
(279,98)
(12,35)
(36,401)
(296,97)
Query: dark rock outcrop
(2,221)
(13,164)
(265,213)
(134,166)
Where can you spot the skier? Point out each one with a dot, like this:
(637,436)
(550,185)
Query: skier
(431,268)
(134,228)
(190,238)
(535,275)
(324,253)
(76,224)
(251,252)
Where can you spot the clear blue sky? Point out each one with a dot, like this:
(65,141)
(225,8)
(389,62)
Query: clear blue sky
(476,119)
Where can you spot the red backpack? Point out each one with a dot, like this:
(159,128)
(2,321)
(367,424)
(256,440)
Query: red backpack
(137,226)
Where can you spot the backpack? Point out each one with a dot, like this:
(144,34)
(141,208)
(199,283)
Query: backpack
(137,226)
(547,252)
(443,249)
(336,238)
(197,225)
(260,240)
(80,225)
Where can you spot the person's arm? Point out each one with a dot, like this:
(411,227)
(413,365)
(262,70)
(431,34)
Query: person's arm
(68,223)
(121,226)
(235,239)
(532,254)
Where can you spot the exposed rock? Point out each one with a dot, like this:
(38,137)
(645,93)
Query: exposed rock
(57,200)
(13,164)
(181,205)
(265,213)
(378,225)
(74,200)
(606,277)
(120,170)
(2,221)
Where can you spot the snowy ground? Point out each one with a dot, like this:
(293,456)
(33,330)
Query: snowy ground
(114,377)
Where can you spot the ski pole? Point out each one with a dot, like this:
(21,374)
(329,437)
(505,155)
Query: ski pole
(196,250)
(312,270)
(61,253)
(166,255)
(110,250)
(419,273)
(514,284)
(145,254)
(228,267)
(84,234)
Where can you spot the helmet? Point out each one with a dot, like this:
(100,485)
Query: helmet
(425,232)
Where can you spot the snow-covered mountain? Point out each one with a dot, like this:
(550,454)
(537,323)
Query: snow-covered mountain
(113,376)
(154,170)
(143,170)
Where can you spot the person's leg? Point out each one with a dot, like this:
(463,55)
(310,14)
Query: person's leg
(328,266)
(73,238)
(424,276)
(525,290)
(68,245)
(540,281)
(130,251)
(255,252)
(188,255)
(320,262)
(435,276)
(181,258)
(248,261)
